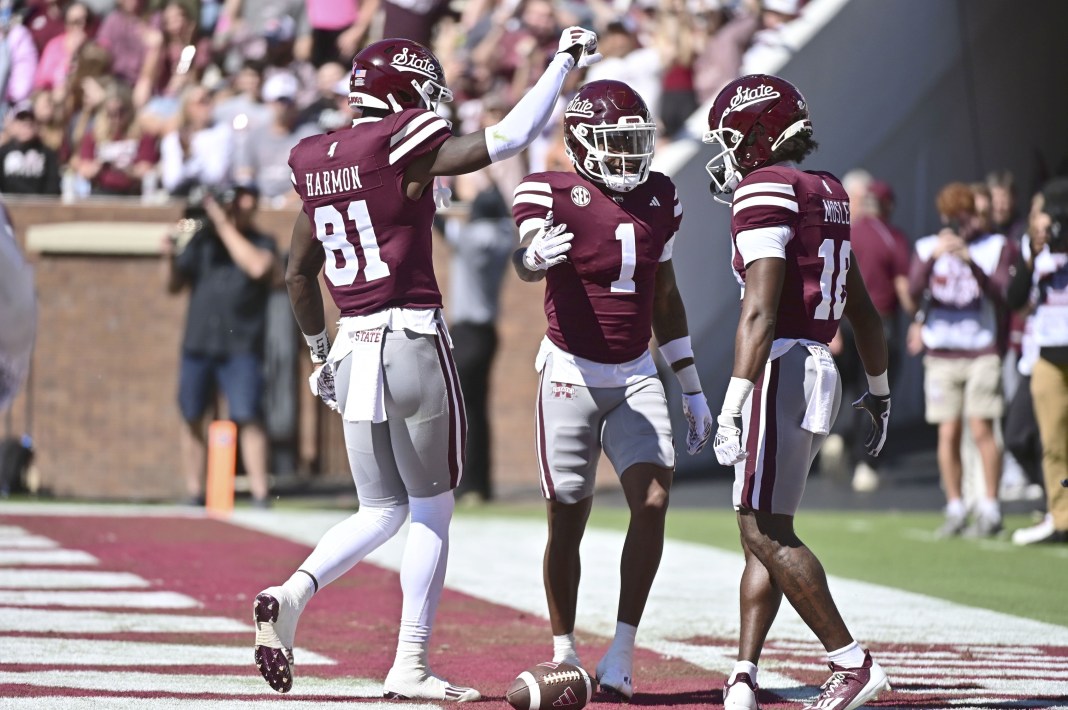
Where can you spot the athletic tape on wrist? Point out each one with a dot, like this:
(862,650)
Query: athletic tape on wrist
(677,349)
(319,345)
(737,392)
(691,383)
(879,385)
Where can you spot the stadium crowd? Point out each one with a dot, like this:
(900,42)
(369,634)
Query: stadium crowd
(151,97)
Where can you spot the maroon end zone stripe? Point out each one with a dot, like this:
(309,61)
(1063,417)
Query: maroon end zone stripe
(771,440)
(752,441)
(451,388)
(547,487)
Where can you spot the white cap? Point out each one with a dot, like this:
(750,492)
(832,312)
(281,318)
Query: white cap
(341,88)
(282,85)
(783,7)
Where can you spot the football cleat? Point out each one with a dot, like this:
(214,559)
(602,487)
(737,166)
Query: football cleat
(953,525)
(849,688)
(275,616)
(740,693)
(416,685)
(615,680)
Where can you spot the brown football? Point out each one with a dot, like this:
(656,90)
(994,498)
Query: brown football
(550,685)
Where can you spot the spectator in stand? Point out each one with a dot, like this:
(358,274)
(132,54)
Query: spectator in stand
(330,110)
(963,272)
(262,156)
(19,59)
(882,253)
(27,165)
(244,24)
(58,54)
(115,155)
(1042,277)
(227,265)
(769,44)
(626,60)
(412,19)
(50,124)
(1003,211)
(513,45)
(130,37)
(45,20)
(245,108)
(728,36)
(676,41)
(338,29)
(83,95)
(198,151)
(280,57)
(176,64)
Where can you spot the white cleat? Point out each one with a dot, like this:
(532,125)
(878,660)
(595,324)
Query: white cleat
(275,616)
(615,679)
(409,685)
(740,694)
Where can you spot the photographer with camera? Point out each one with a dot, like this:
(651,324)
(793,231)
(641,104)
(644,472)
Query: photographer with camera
(961,273)
(1040,283)
(228,265)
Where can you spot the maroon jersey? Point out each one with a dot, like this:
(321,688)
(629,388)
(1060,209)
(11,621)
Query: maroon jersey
(377,240)
(816,208)
(599,303)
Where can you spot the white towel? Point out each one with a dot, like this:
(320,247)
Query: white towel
(365,400)
(821,402)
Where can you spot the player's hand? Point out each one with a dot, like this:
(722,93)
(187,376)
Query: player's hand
(699,421)
(549,246)
(878,408)
(321,383)
(728,443)
(581,44)
(442,195)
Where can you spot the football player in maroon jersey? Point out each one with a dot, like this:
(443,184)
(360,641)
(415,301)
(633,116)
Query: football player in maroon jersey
(368,207)
(602,239)
(790,240)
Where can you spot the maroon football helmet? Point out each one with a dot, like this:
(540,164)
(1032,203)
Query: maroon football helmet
(609,135)
(751,117)
(396,74)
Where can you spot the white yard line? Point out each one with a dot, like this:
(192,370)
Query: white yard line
(68,579)
(83,652)
(270,703)
(17,620)
(105,600)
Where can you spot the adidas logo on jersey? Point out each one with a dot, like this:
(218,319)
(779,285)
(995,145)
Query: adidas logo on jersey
(654,202)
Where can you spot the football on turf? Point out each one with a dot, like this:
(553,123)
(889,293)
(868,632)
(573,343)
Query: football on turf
(551,685)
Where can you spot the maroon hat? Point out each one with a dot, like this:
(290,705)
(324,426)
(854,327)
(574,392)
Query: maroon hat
(881,191)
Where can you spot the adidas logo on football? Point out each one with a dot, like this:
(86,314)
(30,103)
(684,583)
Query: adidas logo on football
(654,202)
(566,698)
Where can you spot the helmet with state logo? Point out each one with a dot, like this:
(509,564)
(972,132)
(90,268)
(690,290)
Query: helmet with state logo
(609,135)
(397,74)
(750,119)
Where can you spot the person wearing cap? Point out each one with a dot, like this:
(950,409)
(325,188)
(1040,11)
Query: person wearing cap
(27,165)
(261,155)
(228,266)
(330,109)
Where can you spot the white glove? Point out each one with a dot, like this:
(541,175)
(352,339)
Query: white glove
(728,443)
(442,195)
(549,246)
(578,36)
(699,419)
(321,383)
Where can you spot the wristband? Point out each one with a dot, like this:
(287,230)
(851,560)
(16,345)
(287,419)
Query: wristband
(879,385)
(677,349)
(737,392)
(691,383)
(319,345)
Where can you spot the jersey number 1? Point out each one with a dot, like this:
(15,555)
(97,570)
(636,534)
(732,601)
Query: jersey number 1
(330,230)
(831,284)
(625,282)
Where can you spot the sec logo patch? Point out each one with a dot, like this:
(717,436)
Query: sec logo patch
(580,195)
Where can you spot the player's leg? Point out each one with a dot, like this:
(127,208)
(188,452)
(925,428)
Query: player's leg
(637,439)
(241,380)
(567,422)
(195,381)
(383,510)
(760,601)
(428,430)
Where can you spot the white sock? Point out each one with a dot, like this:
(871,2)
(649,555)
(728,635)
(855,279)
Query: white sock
(564,647)
(422,572)
(351,540)
(744,667)
(851,656)
(412,656)
(955,508)
(300,588)
(622,649)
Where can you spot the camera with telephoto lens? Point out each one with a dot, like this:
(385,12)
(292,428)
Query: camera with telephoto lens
(195,217)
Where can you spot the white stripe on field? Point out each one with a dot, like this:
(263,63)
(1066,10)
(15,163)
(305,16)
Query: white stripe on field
(104,622)
(64,579)
(116,600)
(27,542)
(10,531)
(90,652)
(247,684)
(39,558)
(268,703)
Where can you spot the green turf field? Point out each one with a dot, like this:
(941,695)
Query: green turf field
(892,549)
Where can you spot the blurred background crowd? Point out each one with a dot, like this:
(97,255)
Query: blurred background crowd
(150,97)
